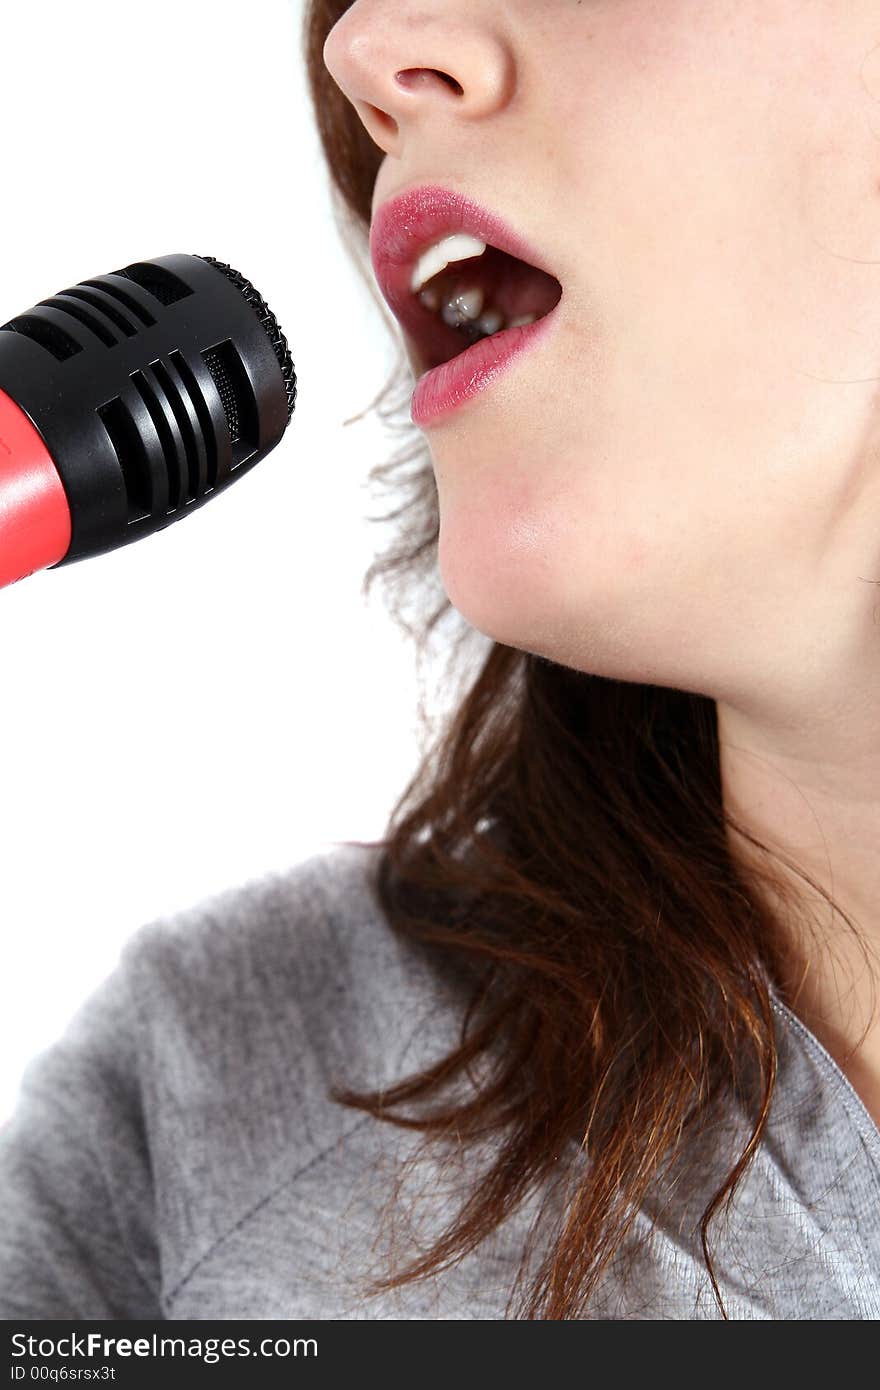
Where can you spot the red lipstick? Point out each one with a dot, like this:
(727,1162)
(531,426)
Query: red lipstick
(402,228)
(445,388)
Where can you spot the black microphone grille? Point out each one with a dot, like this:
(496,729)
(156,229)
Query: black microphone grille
(270,324)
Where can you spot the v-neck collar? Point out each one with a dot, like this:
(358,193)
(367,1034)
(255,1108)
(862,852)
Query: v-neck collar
(857,1110)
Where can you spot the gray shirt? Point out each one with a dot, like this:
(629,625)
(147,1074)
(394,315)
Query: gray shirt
(175,1153)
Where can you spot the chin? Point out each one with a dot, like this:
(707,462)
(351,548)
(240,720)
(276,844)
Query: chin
(499,591)
(523,594)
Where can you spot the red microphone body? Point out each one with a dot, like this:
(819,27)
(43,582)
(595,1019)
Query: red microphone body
(35,527)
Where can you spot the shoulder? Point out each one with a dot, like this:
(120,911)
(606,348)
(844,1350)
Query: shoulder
(251,1006)
(299,964)
(194,1083)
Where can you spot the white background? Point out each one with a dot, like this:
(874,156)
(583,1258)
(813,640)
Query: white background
(218,700)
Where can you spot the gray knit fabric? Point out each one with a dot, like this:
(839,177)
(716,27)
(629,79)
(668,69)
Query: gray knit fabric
(175,1153)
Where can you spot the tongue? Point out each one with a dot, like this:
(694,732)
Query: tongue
(509,285)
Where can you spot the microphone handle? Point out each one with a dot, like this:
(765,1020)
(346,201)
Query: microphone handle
(35,527)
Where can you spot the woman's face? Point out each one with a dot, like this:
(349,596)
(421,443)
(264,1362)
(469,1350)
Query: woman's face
(679,484)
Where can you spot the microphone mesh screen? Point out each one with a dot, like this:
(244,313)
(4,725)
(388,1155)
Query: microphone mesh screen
(227,393)
(271,326)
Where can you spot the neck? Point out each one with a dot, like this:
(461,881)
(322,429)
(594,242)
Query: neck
(819,817)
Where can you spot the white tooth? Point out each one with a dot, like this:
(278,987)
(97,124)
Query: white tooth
(463,306)
(430,298)
(490,322)
(458,247)
(449,314)
(522,320)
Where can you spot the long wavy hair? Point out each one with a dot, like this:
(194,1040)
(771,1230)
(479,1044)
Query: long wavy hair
(565,840)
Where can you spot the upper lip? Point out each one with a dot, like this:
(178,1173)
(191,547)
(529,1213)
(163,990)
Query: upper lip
(406,225)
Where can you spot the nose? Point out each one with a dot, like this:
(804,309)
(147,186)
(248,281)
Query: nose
(405,66)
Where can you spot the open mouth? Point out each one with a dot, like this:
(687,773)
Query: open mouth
(477,297)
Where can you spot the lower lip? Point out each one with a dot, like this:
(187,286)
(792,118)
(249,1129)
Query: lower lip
(447,388)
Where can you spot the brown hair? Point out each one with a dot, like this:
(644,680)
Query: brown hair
(564,839)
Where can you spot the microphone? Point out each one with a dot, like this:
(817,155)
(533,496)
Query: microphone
(128,401)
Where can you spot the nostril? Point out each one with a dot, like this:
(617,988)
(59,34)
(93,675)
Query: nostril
(417,77)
